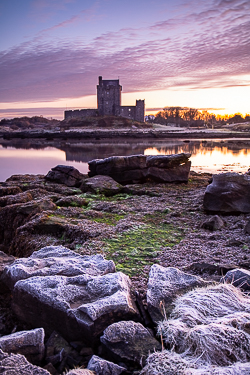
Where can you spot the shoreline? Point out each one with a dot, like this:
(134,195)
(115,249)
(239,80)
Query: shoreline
(123,133)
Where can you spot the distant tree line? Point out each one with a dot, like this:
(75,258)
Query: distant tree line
(183,116)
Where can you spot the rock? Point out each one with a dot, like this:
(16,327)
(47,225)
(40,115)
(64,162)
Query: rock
(58,350)
(101,185)
(14,216)
(64,174)
(213,223)
(211,268)
(102,367)
(78,307)
(17,198)
(41,227)
(81,371)
(9,190)
(167,161)
(28,343)
(12,364)
(56,260)
(140,168)
(247,228)
(238,277)
(179,173)
(5,260)
(228,193)
(51,369)
(164,285)
(116,164)
(72,201)
(129,342)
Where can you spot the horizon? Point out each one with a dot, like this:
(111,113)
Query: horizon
(176,53)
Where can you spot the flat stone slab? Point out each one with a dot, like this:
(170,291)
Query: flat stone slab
(140,168)
(56,260)
(165,284)
(79,307)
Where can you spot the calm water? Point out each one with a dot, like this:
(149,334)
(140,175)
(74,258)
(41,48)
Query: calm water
(25,156)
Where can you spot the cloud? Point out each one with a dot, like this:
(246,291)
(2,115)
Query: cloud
(203,49)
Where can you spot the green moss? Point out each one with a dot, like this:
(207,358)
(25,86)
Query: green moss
(107,218)
(134,249)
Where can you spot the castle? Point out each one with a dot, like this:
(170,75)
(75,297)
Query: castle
(109,103)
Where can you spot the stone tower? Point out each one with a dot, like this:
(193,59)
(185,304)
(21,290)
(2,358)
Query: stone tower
(109,97)
(140,110)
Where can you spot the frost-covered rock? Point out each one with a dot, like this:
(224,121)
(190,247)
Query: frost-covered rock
(13,364)
(102,367)
(164,285)
(29,343)
(78,307)
(56,260)
(129,342)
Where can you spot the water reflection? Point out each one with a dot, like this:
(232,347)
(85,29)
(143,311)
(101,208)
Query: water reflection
(37,156)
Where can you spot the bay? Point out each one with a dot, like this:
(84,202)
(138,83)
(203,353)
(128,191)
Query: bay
(38,157)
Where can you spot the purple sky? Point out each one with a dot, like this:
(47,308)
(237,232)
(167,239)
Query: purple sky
(177,52)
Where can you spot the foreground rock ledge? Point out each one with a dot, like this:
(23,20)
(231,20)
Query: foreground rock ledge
(140,168)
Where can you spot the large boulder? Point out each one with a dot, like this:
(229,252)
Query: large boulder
(55,260)
(65,174)
(140,168)
(129,342)
(28,343)
(101,366)
(101,184)
(12,364)
(228,193)
(78,307)
(164,285)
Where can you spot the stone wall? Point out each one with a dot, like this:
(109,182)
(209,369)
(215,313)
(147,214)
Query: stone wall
(80,113)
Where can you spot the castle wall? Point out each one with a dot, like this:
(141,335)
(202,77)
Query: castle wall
(80,113)
(127,111)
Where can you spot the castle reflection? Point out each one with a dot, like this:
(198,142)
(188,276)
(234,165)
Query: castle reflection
(37,156)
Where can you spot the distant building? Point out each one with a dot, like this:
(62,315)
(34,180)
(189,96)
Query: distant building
(109,103)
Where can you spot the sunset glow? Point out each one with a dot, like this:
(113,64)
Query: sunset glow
(170,53)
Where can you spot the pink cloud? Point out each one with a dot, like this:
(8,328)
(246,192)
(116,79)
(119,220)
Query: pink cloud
(204,50)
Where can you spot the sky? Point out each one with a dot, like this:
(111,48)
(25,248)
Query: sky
(190,53)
